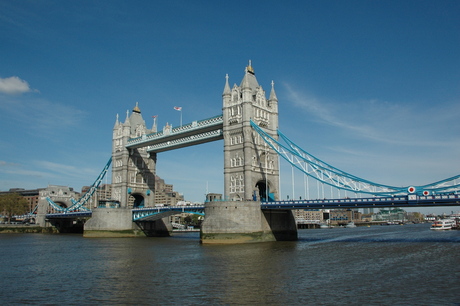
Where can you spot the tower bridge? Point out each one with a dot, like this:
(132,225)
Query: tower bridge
(253,143)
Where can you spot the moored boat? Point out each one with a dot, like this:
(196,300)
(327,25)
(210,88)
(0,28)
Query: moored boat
(444,224)
(350,224)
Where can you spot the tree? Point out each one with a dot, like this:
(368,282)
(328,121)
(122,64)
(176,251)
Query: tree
(418,217)
(12,204)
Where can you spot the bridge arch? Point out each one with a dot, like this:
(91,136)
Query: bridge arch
(61,204)
(265,191)
(137,200)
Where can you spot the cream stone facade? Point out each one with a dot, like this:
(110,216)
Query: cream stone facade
(251,170)
(133,170)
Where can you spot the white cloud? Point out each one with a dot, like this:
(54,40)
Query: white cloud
(13,85)
(44,116)
(382,121)
(68,170)
(15,169)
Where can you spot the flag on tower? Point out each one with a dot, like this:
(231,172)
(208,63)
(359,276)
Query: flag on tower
(177,108)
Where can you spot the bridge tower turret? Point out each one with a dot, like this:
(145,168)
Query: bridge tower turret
(133,170)
(251,170)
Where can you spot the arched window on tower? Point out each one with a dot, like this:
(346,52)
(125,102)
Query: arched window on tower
(139,178)
(139,130)
(263,160)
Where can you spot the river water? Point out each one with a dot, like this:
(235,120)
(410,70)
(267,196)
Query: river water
(386,265)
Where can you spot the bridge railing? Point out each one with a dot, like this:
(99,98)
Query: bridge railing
(193,139)
(149,212)
(377,202)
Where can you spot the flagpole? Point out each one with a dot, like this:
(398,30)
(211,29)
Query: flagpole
(179,108)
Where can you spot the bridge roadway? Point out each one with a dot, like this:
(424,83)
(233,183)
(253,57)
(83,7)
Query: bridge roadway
(410,200)
(155,213)
(70,215)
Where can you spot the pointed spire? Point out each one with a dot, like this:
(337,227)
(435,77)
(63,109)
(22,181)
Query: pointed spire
(249,68)
(245,81)
(127,117)
(136,109)
(272,93)
(249,79)
(154,126)
(227,86)
(116,121)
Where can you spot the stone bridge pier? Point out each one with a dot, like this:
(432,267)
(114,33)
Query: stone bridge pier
(117,222)
(244,222)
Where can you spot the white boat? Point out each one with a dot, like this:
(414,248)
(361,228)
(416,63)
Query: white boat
(444,224)
(350,224)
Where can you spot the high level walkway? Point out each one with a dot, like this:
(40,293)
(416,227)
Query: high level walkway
(194,133)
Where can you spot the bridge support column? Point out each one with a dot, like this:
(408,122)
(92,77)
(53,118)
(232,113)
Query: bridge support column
(111,222)
(74,226)
(118,222)
(157,228)
(244,222)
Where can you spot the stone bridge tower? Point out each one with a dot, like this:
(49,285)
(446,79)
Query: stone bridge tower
(133,170)
(251,170)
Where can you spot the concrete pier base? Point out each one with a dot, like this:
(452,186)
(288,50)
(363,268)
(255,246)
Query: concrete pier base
(111,222)
(158,228)
(74,226)
(117,222)
(244,222)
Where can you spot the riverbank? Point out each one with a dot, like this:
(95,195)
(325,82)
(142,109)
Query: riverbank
(26,229)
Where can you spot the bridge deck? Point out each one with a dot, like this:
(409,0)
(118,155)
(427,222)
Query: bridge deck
(155,213)
(374,202)
(67,215)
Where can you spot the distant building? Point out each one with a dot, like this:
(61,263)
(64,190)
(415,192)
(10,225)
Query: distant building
(31,195)
(344,215)
(165,194)
(309,216)
(390,215)
(368,211)
(103,192)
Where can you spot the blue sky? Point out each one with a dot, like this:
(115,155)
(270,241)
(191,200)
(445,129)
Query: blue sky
(371,87)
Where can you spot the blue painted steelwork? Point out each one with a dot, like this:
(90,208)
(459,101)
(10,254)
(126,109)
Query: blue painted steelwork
(325,173)
(55,206)
(411,200)
(155,213)
(67,215)
(79,205)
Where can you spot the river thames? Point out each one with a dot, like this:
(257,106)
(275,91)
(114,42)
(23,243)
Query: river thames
(386,265)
